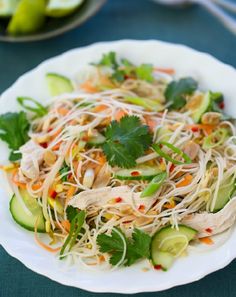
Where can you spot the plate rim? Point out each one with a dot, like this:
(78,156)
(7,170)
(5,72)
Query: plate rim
(102,289)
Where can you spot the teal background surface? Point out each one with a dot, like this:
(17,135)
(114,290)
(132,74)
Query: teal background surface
(119,19)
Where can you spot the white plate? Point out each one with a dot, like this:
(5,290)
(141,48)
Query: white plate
(211,74)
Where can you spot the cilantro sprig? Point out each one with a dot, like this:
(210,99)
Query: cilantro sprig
(14,129)
(137,247)
(126,141)
(176,92)
(124,68)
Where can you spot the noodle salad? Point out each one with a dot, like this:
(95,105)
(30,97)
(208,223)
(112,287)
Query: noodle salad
(125,163)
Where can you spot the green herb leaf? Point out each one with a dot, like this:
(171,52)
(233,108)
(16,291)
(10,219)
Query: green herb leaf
(39,109)
(109,60)
(144,72)
(126,141)
(176,91)
(75,228)
(14,129)
(63,170)
(216,99)
(71,212)
(136,248)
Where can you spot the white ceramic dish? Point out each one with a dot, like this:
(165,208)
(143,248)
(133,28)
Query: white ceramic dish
(20,244)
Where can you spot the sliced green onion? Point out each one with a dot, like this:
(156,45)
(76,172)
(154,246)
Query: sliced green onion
(39,109)
(215,139)
(159,151)
(154,185)
(76,225)
(80,221)
(145,102)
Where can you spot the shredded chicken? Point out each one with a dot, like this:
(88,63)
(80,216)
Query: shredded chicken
(32,157)
(216,222)
(102,196)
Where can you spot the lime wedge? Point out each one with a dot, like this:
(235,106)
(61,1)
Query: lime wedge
(29,17)
(61,8)
(8,7)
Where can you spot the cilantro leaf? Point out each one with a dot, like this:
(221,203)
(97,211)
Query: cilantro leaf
(109,60)
(14,129)
(136,248)
(124,68)
(216,99)
(140,247)
(177,90)
(71,213)
(144,72)
(126,141)
(111,243)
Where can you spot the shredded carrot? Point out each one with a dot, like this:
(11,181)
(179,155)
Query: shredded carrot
(42,244)
(16,181)
(120,114)
(62,111)
(171,204)
(57,146)
(185,181)
(100,108)
(88,87)
(56,134)
(170,71)
(101,159)
(37,186)
(151,123)
(206,240)
(70,193)
(66,225)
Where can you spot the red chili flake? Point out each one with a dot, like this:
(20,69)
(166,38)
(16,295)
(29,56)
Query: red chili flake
(50,129)
(118,199)
(141,207)
(126,76)
(53,194)
(209,230)
(158,267)
(85,138)
(172,167)
(135,173)
(195,129)
(70,175)
(222,105)
(44,144)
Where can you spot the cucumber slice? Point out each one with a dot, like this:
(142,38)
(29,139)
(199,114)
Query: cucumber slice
(58,84)
(61,8)
(199,105)
(168,243)
(138,173)
(164,259)
(22,218)
(97,139)
(8,7)
(28,17)
(225,193)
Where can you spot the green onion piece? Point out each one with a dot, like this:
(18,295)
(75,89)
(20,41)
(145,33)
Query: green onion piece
(76,225)
(146,103)
(154,185)
(39,109)
(215,139)
(80,221)
(68,239)
(159,151)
